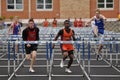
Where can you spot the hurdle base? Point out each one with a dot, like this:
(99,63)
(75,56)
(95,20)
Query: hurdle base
(98,66)
(104,75)
(67,75)
(4,75)
(32,75)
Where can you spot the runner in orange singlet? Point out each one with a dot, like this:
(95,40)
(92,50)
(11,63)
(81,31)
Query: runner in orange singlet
(67,34)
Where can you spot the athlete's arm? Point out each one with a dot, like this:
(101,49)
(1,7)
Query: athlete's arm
(11,26)
(103,17)
(37,36)
(87,23)
(24,35)
(73,35)
(19,30)
(57,36)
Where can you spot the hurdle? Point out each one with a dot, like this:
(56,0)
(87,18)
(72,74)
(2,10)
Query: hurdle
(7,39)
(50,68)
(4,53)
(2,38)
(20,65)
(110,42)
(52,55)
(95,42)
(107,39)
(85,42)
(106,54)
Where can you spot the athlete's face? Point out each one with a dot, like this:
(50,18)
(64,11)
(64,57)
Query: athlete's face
(16,19)
(66,24)
(97,14)
(31,24)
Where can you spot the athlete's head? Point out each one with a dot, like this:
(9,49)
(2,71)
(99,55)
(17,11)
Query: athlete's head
(69,18)
(75,18)
(67,24)
(97,12)
(16,19)
(54,18)
(31,23)
(45,19)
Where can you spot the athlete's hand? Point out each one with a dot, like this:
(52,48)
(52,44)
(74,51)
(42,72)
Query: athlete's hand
(28,45)
(19,33)
(86,24)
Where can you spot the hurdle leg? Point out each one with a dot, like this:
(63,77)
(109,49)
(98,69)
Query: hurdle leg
(18,58)
(23,56)
(111,58)
(89,57)
(47,57)
(111,54)
(106,53)
(8,58)
(14,56)
(116,59)
(51,60)
(79,56)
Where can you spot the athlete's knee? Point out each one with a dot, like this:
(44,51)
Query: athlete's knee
(28,57)
(34,54)
(100,45)
(65,54)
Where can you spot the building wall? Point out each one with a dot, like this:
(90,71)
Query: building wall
(22,14)
(35,14)
(46,14)
(61,9)
(0,7)
(74,8)
(108,13)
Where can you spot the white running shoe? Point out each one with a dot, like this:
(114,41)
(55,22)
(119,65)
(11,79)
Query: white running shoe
(62,64)
(31,70)
(99,57)
(68,70)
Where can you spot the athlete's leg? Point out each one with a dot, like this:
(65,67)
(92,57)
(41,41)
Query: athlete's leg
(95,28)
(100,46)
(28,55)
(65,55)
(33,59)
(33,54)
(101,41)
(96,31)
(71,56)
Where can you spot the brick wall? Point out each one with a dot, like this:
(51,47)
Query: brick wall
(21,14)
(108,13)
(74,8)
(46,14)
(35,14)
(61,9)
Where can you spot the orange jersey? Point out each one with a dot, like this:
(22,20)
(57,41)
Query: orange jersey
(54,23)
(75,23)
(45,24)
(67,37)
(80,23)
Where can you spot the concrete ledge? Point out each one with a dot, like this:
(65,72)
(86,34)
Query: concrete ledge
(25,21)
